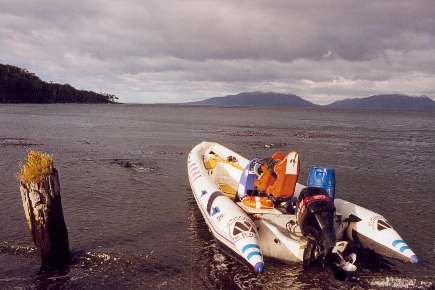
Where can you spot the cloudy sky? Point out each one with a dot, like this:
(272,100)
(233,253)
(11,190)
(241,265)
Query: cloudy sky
(172,51)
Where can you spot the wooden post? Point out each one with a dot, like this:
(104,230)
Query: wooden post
(40,193)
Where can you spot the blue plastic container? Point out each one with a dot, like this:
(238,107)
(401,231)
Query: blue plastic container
(324,177)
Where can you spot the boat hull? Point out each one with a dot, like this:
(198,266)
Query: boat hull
(373,231)
(228,222)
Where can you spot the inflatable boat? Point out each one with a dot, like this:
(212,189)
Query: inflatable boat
(254,228)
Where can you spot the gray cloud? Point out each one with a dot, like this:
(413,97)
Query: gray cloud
(166,51)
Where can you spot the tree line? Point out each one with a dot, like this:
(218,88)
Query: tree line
(18,85)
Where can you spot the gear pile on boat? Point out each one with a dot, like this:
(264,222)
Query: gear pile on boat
(258,209)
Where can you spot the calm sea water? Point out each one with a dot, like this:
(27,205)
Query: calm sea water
(132,219)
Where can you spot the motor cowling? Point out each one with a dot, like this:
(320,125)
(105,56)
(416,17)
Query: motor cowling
(315,216)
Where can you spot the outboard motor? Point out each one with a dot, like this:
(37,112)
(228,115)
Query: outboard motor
(315,216)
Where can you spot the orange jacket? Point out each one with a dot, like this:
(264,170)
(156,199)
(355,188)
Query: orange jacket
(280,180)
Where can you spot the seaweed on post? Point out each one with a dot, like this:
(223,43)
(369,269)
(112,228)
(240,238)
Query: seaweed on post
(40,194)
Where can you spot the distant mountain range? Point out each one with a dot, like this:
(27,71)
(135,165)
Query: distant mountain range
(264,99)
(18,85)
(261,99)
(400,102)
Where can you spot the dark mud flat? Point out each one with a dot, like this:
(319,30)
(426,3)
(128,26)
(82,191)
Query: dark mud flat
(133,222)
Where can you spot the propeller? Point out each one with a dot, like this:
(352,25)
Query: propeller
(344,262)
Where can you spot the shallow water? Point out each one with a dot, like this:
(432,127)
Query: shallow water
(132,219)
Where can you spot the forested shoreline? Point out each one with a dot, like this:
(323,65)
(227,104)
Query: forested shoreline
(18,85)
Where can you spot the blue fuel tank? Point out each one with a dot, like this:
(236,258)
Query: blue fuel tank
(324,177)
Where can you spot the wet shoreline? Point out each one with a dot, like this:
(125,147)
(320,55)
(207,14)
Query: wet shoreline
(130,160)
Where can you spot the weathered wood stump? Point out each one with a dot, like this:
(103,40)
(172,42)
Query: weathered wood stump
(40,193)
